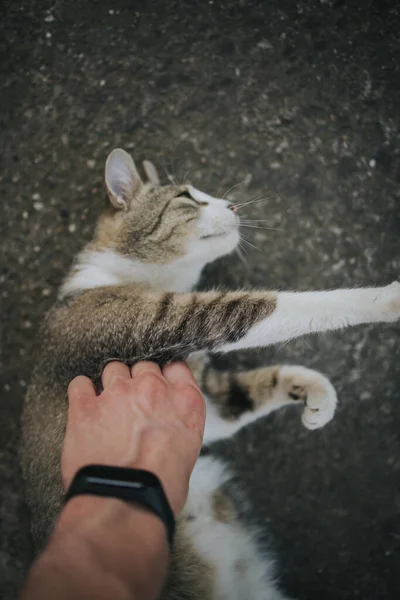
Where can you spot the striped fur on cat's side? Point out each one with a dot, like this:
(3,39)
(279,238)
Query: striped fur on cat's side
(128,297)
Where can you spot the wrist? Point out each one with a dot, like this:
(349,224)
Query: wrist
(126,540)
(86,512)
(134,486)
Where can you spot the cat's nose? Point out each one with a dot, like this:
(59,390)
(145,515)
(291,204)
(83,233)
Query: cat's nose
(231,207)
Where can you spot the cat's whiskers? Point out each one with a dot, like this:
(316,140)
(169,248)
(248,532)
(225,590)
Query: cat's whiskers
(282,345)
(190,171)
(244,239)
(261,227)
(249,224)
(261,198)
(254,220)
(252,198)
(241,248)
(241,254)
(232,188)
(305,342)
(170,177)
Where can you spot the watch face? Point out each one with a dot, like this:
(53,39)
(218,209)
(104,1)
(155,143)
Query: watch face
(118,482)
(120,476)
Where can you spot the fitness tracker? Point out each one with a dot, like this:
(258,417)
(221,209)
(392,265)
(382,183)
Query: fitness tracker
(132,485)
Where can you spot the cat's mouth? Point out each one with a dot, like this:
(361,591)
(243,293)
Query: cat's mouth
(214,235)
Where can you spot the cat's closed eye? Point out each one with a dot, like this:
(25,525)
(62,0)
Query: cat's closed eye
(186,194)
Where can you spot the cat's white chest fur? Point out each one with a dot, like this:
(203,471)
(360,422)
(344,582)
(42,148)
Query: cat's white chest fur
(106,267)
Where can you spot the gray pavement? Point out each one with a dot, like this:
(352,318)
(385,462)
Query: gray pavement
(301,102)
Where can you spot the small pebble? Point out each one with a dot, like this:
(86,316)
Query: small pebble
(264,45)
(25,214)
(91,163)
(36,196)
(38,206)
(275,165)
(372,163)
(72,228)
(49,19)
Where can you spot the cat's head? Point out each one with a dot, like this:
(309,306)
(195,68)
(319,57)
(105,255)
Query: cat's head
(161,224)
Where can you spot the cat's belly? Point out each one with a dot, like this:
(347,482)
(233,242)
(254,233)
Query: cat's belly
(239,570)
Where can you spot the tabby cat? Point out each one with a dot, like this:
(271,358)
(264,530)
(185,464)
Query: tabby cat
(128,297)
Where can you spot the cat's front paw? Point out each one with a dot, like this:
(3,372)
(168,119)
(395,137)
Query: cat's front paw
(390,302)
(314,390)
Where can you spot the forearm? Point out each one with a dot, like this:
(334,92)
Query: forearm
(101,548)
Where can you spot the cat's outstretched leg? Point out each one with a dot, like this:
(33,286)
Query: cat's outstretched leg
(130,324)
(299,313)
(236,399)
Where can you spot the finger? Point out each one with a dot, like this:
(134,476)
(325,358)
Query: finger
(112,370)
(190,407)
(179,375)
(188,399)
(81,392)
(145,367)
(81,386)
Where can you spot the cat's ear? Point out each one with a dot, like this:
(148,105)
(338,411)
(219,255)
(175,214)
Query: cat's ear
(151,172)
(122,178)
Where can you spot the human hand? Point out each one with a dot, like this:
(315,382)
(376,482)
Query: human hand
(145,418)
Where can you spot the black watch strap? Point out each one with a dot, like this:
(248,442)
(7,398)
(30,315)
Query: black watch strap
(131,485)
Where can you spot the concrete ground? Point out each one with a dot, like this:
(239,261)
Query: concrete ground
(301,102)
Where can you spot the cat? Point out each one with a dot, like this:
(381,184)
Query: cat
(128,297)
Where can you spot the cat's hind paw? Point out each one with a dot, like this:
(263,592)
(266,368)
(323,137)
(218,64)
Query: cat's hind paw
(314,390)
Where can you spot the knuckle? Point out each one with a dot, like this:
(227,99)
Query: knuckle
(151,384)
(119,386)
